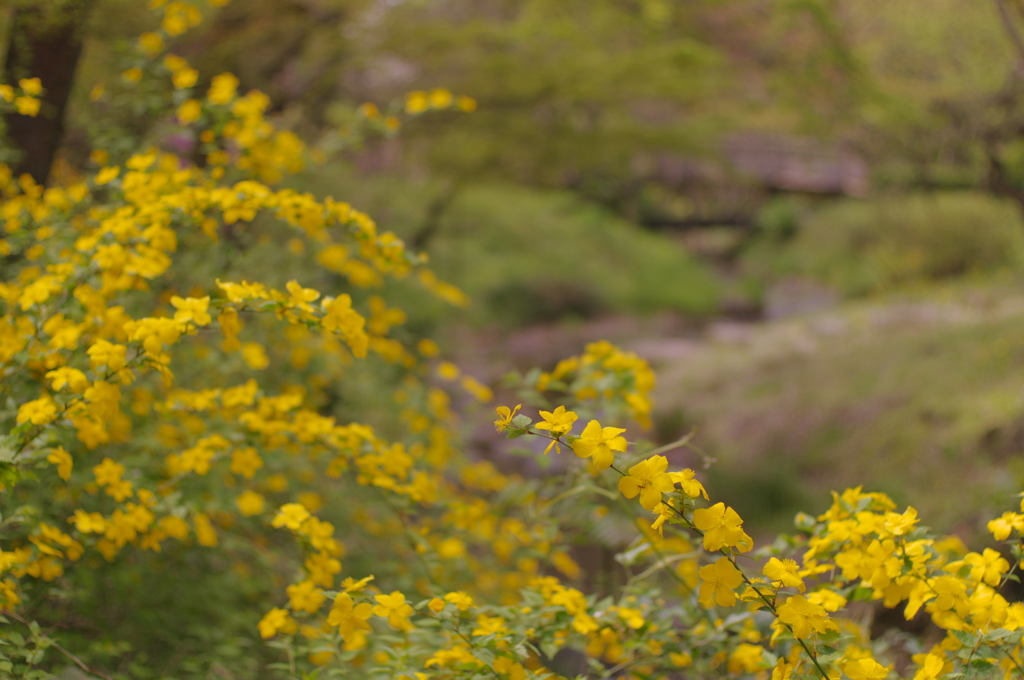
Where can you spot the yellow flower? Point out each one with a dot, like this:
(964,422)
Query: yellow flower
(27,106)
(599,443)
(107,174)
(416,102)
(255,356)
(151,43)
(459,599)
(688,481)
(222,89)
(489,625)
(189,111)
(185,77)
(246,462)
(192,309)
(275,621)
(719,582)
(1003,526)
(649,479)
(394,609)
(505,416)
(446,370)
(304,596)
(108,472)
(250,503)
(369,110)
(722,528)
(440,98)
(340,317)
(932,667)
(62,459)
(103,353)
(805,617)
(38,412)
(349,617)
(33,87)
(89,522)
(745,658)
(680,659)
(301,297)
(784,572)
(558,422)
(865,669)
(206,535)
(290,515)
(829,600)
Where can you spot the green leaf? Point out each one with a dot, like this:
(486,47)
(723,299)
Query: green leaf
(521,421)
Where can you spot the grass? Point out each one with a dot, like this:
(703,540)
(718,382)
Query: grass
(918,396)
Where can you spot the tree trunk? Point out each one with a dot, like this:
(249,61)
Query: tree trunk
(45,43)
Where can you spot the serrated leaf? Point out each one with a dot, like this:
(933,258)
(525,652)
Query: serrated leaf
(521,421)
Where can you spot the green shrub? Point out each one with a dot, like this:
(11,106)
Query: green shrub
(868,246)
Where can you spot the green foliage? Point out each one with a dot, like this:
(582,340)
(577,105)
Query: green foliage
(505,245)
(861,247)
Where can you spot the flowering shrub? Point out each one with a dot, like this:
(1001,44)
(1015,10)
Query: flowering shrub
(133,426)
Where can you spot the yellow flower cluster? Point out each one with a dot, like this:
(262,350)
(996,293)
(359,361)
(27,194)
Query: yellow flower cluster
(132,420)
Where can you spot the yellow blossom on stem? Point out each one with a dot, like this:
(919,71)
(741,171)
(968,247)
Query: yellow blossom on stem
(687,479)
(304,596)
(394,608)
(1009,522)
(189,112)
(348,616)
(300,297)
(250,503)
(290,515)
(459,599)
(865,669)
(192,309)
(38,412)
(505,416)
(88,522)
(784,572)
(276,621)
(600,444)
(558,422)
(719,582)
(665,512)
(108,472)
(104,353)
(932,668)
(722,527)
(804,617)
(222,88)
(649,479)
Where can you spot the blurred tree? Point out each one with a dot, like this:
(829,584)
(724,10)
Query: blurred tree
(45,42)
(949,110)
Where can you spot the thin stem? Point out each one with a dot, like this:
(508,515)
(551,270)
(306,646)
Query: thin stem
(771,607)
(1013,661)
(674,445)
(53,643)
